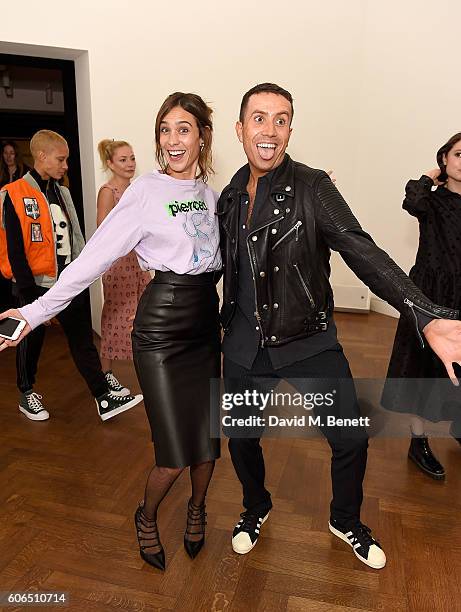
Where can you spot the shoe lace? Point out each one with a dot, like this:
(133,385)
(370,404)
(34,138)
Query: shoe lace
(118,398)
(362,535)
(113,380)
(249,522)
(34,403)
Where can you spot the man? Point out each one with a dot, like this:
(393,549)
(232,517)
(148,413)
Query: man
(279,220)
(39,236)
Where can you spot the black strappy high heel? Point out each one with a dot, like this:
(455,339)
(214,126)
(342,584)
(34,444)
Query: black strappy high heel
(148,538)
(196,521)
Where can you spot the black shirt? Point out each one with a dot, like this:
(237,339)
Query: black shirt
(242,342)
(17,174)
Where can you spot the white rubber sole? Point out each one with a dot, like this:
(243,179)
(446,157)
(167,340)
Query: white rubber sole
(123,393)
(137,399)
(252,545)
(43,415)
(342,537)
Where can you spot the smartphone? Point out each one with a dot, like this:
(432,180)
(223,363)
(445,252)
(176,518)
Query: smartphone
(11,328)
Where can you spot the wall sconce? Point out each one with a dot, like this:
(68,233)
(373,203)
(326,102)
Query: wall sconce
(48,94)
(7,83)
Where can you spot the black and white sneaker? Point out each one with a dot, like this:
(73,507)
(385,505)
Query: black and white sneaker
(114,384)
(110,404)
(32,407)
(246,532)
(365,547)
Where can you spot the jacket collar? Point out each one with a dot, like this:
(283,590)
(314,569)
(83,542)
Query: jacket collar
(43,184)
(281,186)
(37,182)
(30,177)
(281,179)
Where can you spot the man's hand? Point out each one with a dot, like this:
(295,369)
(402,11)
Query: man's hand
(444,338)
(4,343)
(434,175)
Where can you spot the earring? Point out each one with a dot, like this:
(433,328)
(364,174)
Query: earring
(201,146)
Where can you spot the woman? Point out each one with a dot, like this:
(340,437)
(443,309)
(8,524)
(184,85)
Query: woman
(176,335)
(437,272)
(11,166)
(124,282)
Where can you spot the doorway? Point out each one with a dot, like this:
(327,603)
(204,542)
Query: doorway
(39,93)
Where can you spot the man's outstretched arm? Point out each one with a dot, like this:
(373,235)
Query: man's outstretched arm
(383,276)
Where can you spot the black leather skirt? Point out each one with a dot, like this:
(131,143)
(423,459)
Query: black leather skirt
(176,351)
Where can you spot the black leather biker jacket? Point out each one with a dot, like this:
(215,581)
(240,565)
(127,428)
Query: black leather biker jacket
(289,248)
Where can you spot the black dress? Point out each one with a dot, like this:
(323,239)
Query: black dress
(437,272)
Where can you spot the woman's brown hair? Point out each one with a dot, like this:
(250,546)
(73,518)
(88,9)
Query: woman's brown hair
(444,150)
(193,104)
(21,166)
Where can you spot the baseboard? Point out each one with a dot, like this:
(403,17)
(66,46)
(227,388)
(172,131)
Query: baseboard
(379,305)
(351,298)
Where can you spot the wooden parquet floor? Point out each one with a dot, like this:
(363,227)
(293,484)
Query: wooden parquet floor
(69,487)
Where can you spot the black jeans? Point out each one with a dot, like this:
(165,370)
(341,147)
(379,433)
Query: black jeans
(76,323)
(349,452)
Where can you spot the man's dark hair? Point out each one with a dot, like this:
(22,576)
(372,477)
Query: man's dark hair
(265,88)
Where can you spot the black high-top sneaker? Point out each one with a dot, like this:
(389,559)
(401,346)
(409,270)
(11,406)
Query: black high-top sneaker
(109,404)
(32,407)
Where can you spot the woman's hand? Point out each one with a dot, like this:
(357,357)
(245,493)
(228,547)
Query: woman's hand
(4,343)
(444,337)
(434,175)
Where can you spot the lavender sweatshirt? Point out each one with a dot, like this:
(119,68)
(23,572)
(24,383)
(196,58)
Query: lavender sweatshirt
(169,223)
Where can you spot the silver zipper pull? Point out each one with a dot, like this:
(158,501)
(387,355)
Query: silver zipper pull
(410,304)
(297,230)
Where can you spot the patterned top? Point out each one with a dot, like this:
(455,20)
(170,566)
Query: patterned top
(169,223)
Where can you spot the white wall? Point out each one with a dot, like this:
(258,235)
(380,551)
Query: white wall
(409,107)
(376,85)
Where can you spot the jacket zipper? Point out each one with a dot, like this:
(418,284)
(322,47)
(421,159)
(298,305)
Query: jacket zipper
(295,228)
(308,293)
(412,307)
(252,262)
(257,315)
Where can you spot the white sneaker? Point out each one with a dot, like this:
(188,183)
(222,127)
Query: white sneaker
(32,407)
(365,547)
(246,532)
